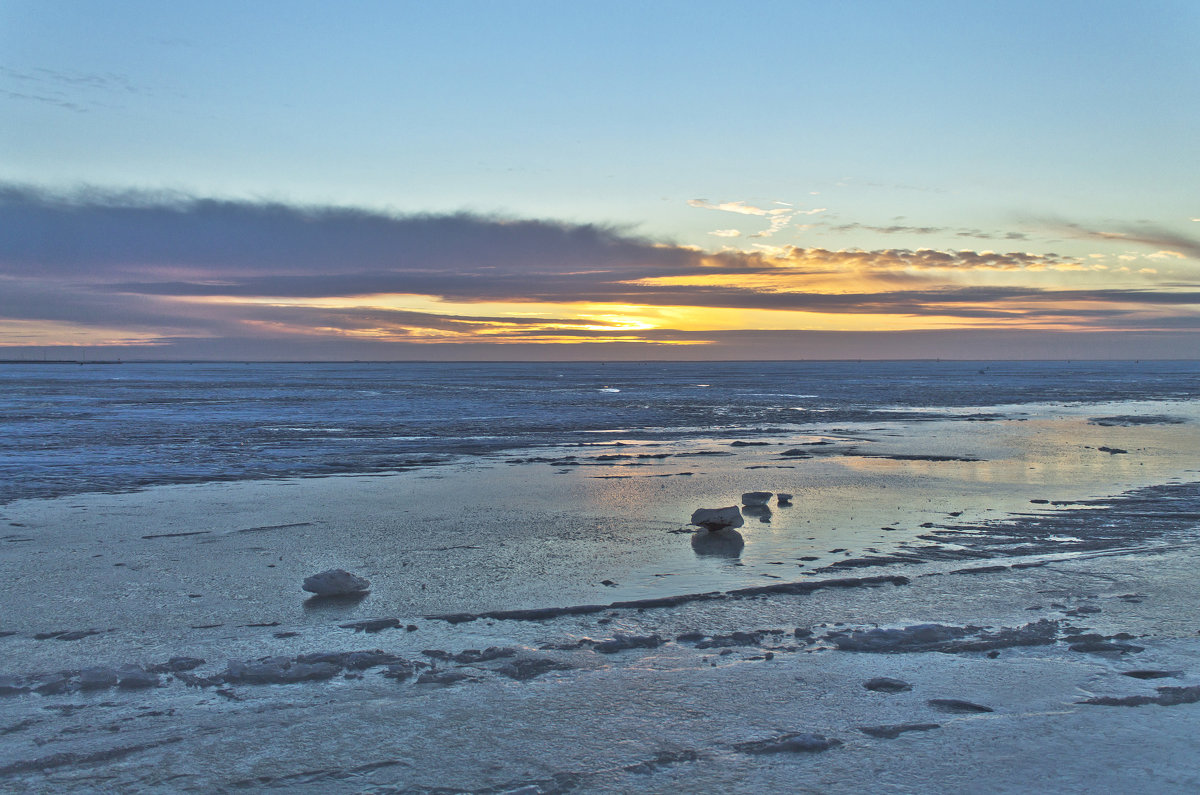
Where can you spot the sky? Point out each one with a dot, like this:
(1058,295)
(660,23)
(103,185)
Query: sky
(534,180)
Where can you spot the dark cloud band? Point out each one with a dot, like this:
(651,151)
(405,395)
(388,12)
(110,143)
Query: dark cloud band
(151,261)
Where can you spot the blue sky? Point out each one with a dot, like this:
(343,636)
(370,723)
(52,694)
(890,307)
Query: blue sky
(1064,129)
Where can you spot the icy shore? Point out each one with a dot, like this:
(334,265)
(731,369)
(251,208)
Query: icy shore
(1077,676)
(933,613)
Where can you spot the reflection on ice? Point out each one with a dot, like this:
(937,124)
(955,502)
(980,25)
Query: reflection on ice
(722,543)
(333,604)
(761,512)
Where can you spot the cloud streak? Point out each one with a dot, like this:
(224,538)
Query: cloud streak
(74,91)
(902,229)
(1148,235)
(779,217)
(741,208)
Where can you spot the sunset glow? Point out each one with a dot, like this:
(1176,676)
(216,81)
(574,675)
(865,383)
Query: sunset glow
(510,210)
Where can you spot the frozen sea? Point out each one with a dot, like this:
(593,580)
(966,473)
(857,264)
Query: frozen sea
(69,429)
(541,615)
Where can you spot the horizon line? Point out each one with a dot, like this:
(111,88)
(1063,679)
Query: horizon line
(593,361)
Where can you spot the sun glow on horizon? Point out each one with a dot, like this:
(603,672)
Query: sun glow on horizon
(414,318)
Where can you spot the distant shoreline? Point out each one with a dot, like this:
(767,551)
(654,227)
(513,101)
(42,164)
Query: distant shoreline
(61,361)
(457,362)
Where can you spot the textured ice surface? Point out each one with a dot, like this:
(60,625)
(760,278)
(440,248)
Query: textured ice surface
(542,622)
(764,708)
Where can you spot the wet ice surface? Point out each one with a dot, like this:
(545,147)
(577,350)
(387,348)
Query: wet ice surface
(497,535)
(1010,564)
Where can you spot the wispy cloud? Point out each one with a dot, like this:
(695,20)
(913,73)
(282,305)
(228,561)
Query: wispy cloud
(903,229)
(45,98)
(74,91)
(778,217)
(1148,235)
(778,224)
(738,207)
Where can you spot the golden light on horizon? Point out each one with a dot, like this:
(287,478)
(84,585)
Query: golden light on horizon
(840,301)
(604,321)
(51,333)
(426,319)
